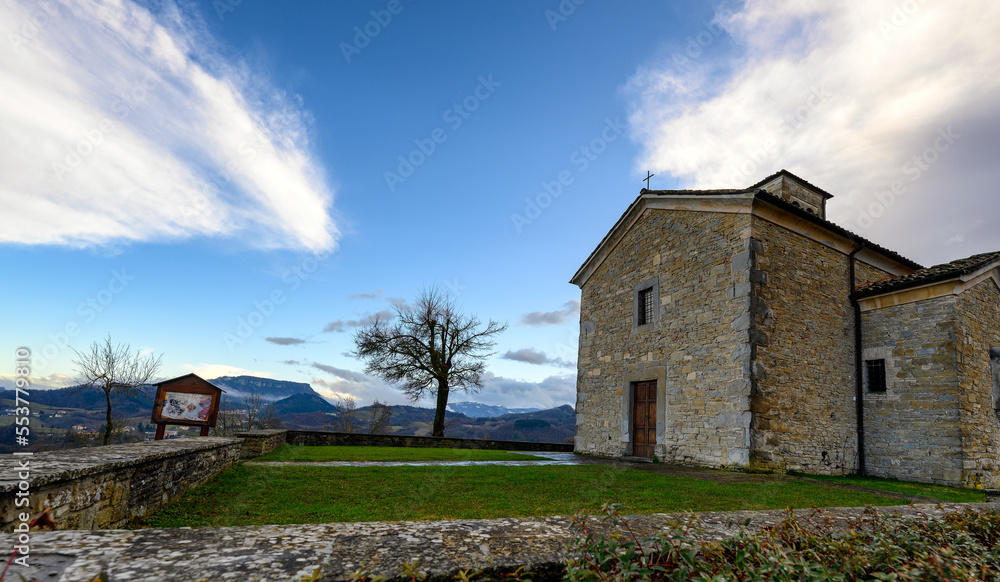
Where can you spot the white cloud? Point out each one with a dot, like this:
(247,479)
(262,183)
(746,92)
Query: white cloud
(551,392)
(123,125)
(373,295)
(9,381)
(285,341)
(844,94)
(537,357)
(558,317)
(365,391)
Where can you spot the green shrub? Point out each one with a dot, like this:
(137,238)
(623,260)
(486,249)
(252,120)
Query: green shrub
(958,546)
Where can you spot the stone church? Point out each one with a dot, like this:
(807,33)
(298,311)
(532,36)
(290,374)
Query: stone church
(741,328)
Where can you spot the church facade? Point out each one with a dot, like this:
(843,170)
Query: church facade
(741,328)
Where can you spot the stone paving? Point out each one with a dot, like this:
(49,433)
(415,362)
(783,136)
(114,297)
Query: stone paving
(335,551)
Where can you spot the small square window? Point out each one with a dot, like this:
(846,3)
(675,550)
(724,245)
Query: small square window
(875,370)
(646,306)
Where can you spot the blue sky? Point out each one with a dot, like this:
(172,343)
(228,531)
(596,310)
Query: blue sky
(235,184)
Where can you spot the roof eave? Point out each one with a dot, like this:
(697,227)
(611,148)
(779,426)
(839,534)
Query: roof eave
(956,276)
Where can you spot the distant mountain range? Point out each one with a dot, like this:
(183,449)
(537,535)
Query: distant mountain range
(298,406)
(267,388)
(478,410)
(302,404)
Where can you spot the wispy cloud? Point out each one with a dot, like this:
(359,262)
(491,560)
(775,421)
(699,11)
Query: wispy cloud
(342,325)
(123,125)
(341,372)
(559,317)
(285,341)
(373,295)
(9,381)
(533,356)
(845,94)
(551,392)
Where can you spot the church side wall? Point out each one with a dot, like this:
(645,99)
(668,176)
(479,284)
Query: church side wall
(804,408)
(692,349)
(979,330)
(912,430)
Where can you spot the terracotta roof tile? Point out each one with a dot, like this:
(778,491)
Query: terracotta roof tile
(933,274)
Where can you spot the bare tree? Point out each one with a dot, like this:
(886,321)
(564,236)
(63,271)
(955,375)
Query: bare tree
(347,415)
(380,418)
(253,413)
(117,371)
(430,347)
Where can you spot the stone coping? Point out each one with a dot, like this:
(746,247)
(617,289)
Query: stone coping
(69,464)
(335,551)
(262,433)
(319,438)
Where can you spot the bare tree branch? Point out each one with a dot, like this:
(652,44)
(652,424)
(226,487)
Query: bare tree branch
(428,347)
(117,371)
(347,415)
(253,413)
(380,418)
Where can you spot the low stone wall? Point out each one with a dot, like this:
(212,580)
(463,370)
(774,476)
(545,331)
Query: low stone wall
(108,487)
(259,442)
(332,552)
(322,438)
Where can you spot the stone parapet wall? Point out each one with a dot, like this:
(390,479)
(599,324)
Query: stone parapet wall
(340,439)
(695,347)
(108,487)
(913,430)
(335,551)
(259,442)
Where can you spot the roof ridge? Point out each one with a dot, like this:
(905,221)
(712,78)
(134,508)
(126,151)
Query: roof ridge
(784,172)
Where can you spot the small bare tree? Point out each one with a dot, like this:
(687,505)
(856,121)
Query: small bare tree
(347,415)
(380,417)
(253,413)
(430,347)
(117,371)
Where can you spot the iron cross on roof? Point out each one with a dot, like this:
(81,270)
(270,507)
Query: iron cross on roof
(648,176)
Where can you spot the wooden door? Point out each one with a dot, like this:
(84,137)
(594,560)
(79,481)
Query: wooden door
(643,418)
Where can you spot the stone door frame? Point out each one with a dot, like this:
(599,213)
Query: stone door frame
(651,374)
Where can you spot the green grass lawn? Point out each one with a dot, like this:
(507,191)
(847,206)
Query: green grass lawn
(257,495)
(292,453)
(951,494)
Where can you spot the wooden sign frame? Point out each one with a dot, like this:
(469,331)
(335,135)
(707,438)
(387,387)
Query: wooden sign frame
(186,401)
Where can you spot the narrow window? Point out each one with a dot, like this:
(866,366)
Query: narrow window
(876,375)
(646,306)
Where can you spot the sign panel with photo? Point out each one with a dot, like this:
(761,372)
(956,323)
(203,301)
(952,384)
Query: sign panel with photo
(186,401)
(186,406)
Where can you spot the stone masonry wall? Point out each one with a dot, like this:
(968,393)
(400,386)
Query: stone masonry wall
(259,442)
(108,487)
(804,388)
(343,439)
(913,431)
(979,330)
(695,348)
